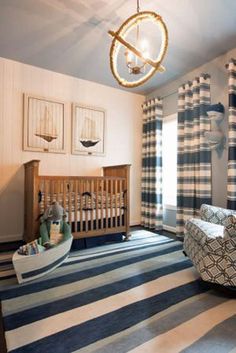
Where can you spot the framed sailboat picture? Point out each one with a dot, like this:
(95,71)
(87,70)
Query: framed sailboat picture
(88,130)
(44,125)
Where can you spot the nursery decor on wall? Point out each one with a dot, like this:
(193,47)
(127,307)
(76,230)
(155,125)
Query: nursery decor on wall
(44,124)
(215,137)
(88,130)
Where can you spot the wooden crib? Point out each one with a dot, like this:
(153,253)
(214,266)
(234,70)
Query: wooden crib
(96,205)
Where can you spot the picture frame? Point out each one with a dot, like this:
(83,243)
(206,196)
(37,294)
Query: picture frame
(88,130)
(44,124)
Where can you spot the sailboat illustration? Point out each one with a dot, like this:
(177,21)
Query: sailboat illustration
(46,129)
(89,136)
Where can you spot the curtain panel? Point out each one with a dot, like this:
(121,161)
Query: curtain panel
(151,186)
(194,155)
(231,185)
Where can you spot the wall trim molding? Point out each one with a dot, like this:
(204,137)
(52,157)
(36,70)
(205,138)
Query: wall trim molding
(170,207)
(134,223)
(169,228)
(10,238)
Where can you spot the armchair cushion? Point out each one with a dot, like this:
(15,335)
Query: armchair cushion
(204,230)
(216,215)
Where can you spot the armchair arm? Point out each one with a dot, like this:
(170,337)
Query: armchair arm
(216,215)
(230,228)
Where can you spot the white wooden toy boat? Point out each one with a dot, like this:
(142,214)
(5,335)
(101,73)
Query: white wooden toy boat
(30,267)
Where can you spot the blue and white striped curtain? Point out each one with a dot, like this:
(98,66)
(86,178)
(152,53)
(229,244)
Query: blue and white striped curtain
(194,155)
(151,187)
(231,188)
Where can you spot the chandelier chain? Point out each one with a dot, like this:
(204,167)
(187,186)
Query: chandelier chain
(138,7)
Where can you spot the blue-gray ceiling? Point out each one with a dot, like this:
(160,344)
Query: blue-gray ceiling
(70,36)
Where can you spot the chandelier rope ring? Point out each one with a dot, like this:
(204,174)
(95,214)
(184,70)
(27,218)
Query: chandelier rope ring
(120,39)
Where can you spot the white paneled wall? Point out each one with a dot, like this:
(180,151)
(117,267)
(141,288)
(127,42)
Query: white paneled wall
(123,142)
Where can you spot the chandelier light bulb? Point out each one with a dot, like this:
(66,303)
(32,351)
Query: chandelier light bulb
(144,44)
(129,56)
(146,54)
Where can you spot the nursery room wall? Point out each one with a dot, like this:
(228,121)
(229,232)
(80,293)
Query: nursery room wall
(219,93)
(123,136)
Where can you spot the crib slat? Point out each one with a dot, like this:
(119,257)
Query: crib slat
(92,208)
(64,194)
(123,200)
(107,185)
(102,203)
(76,205)
(86,207)
(116,203)
(57,190)
(120,202)
(111,203)
(97,196)
(61,192)
(54,191)
(45,194)
(81,205)
(51,191)
(69,200)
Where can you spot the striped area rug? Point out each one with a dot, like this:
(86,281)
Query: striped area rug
(6,267)
(137,296)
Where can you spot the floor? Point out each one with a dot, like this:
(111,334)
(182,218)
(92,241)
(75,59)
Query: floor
(15,245)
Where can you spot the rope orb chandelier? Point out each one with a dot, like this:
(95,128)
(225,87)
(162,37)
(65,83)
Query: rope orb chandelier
(138,60)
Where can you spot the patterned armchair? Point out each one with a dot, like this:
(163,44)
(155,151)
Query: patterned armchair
(210,243)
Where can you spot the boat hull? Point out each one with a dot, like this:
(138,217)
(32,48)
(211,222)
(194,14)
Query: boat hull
(48,138)
(30,267)
(88,143)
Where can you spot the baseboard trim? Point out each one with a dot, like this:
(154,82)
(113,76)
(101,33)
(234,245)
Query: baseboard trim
(165,227)
(134,223)
(169,228)
(10,238)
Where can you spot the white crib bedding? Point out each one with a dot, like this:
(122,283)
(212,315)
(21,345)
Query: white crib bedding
(92,215)
(90,201)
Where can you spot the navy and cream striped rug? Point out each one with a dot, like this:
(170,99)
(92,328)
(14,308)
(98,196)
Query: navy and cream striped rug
(6,267)
(137,296)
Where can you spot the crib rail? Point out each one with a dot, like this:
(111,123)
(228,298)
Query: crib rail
(95,205)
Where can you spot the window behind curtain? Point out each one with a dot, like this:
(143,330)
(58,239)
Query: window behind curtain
(169,158)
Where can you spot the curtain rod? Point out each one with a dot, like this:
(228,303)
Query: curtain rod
(232,60)
(162,97)
(169,94)
(176,91)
